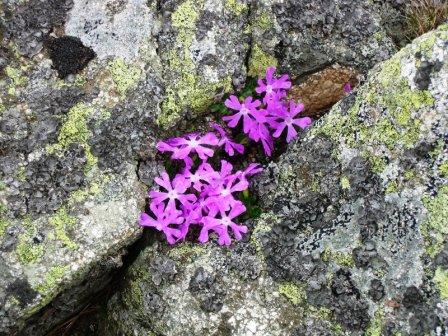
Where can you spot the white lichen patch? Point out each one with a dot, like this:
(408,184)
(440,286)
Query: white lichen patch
(110,31)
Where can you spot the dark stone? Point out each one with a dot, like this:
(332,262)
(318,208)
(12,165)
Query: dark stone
(162,269)
(412,297)
(376,290)
(204,287)
(22,291)
(47,182)
(422,77)
(31,22)
(69,55)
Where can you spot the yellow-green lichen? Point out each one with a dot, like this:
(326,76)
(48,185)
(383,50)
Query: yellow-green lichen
(435,228)
(376,324)
(124,76)
(235,6)
(392,187)
(62,221)
(186,14)
(94,188)
(378,163)
(364,125)
(75,130)
(27,250)
(263,22)
(345,183)
(4,223)
(16,78)
(264,224)
(259,60)
(186,251)
(441,281)
(443,168)
(409,175)
(52,280)
(293,292)
(340,258)
(187,90)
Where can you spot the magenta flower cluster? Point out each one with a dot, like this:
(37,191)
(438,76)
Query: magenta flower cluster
(267,119)
(207,197)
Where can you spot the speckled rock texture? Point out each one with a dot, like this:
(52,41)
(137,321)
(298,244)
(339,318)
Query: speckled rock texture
(86,88)
(353,239)
(306,36)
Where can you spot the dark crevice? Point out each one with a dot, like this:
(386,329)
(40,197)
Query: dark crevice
(249,49)
(85,319)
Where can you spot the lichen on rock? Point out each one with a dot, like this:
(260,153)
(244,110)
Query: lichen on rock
(340,250)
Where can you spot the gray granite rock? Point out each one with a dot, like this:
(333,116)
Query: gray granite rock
(352,240)
(86,89)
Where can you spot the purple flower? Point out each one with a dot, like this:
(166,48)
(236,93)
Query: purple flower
(194,142)
(166,147)
(287,119)
(202,176)
(221,225)
(163,219)
(247,110)
(175,191)
(252,169)
(229,146)
(273,85)
(348,88)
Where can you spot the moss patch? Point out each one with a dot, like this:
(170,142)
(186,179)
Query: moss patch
(435,229)
(259,61)
(186,251)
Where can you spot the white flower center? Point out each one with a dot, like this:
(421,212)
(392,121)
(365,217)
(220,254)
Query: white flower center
(244,110)
(226,221)
(193,143)
(288,121)
(268,88)
(194,178)
(225,192)
(172,194)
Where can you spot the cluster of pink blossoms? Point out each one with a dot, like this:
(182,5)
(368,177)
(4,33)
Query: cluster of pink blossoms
(268,118)
(201,195)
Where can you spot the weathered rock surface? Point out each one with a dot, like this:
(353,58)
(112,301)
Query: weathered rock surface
(353,239)
(86,88)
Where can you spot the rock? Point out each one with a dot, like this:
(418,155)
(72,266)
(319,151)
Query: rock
(77,133)
(321,90)
(352,240)
(303,37)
